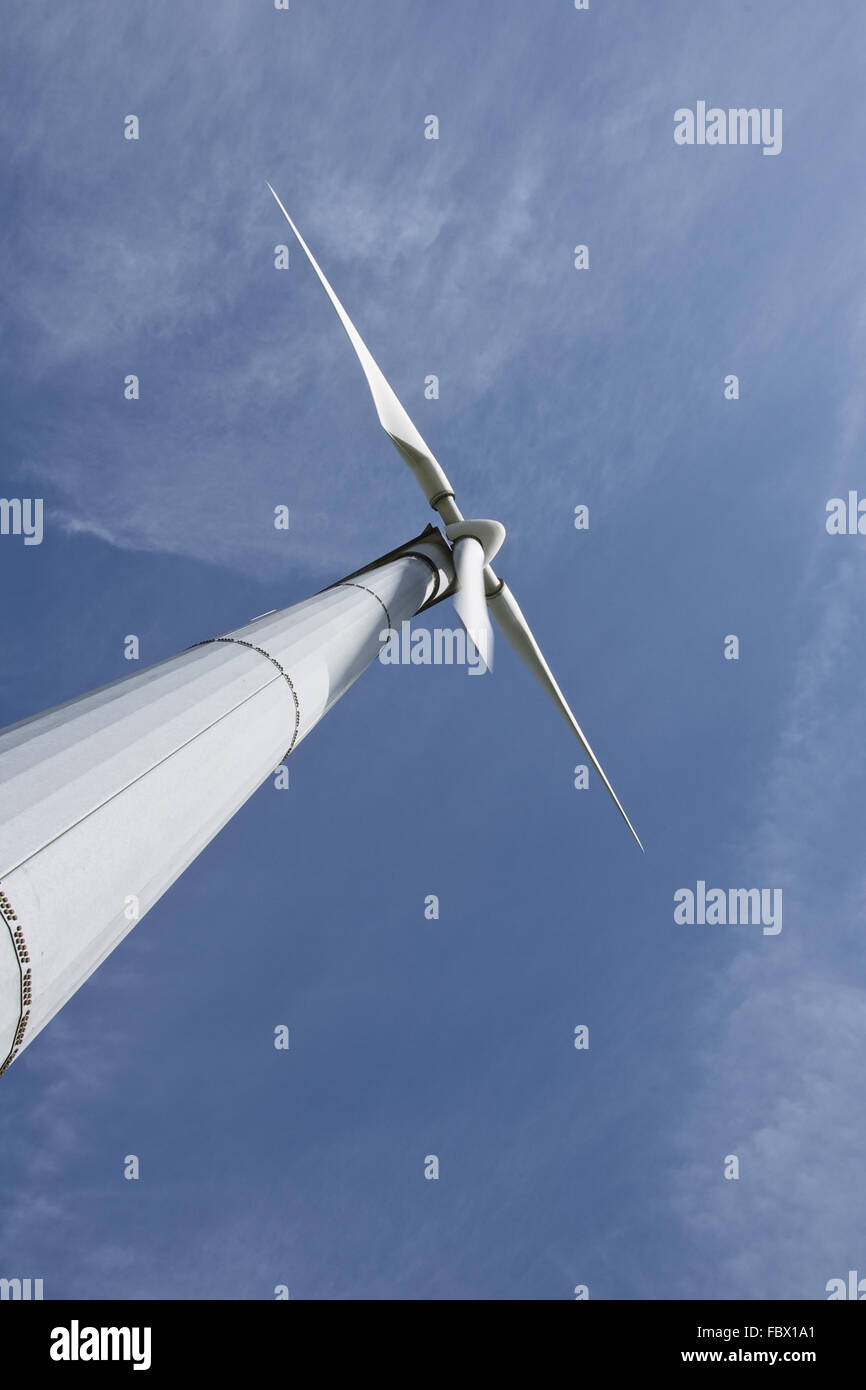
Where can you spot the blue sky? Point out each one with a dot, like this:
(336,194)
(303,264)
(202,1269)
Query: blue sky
(557,387)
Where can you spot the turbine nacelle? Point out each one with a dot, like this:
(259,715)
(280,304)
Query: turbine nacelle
(488,534)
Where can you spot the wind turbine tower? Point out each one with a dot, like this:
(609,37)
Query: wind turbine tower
(106,799)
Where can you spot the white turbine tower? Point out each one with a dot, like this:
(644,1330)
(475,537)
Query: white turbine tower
(106,799)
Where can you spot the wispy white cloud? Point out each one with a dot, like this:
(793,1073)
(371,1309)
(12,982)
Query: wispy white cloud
(781,1082)
(450,261)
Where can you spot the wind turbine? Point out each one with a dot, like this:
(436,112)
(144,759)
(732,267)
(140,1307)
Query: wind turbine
(106,799)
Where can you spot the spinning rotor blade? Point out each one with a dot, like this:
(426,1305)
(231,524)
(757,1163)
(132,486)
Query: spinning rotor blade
(469,599)
(516,632)
(392,417)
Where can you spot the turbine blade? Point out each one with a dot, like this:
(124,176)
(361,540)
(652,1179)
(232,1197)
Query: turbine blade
(516,632)
(392,417)
(469,597)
